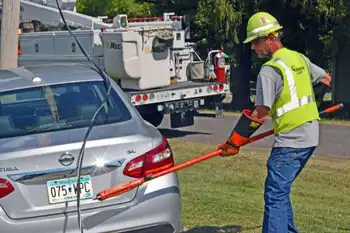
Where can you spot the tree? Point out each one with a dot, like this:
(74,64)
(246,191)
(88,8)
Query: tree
(222,24)
(111,8)
(313,27)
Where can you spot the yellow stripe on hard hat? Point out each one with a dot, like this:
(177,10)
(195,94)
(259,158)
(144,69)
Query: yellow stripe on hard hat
(256,31)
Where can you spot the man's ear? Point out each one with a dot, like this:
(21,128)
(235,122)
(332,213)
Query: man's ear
(270,39)
(271,36)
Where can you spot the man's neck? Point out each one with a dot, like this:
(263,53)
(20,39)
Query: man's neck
(275,47)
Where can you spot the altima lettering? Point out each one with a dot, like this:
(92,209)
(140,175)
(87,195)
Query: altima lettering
(8,169)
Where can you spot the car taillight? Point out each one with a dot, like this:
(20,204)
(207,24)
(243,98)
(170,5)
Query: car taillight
(5,188)
(155,160)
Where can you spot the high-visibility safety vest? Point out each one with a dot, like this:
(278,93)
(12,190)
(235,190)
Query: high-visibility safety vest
(296,104)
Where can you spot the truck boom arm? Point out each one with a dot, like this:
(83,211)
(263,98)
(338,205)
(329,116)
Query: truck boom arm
(47,13)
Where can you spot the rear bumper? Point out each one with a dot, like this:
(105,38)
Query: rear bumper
(156,207)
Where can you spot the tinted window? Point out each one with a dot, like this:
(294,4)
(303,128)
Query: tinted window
(58,107)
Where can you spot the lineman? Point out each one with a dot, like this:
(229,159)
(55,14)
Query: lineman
(288,89)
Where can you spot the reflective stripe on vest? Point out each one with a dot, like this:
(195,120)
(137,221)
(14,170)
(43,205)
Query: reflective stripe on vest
(294,101)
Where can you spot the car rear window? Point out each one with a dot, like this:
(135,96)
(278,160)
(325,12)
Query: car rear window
(58,107)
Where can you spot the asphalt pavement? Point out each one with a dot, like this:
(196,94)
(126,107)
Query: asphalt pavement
(334,138)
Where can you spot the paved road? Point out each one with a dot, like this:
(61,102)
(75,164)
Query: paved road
(334,139)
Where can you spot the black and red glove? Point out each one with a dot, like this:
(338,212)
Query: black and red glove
(320,89)
(244,129)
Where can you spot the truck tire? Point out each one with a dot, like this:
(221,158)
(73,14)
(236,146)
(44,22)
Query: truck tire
(155,118)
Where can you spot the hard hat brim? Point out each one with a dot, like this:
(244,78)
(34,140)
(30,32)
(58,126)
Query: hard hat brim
(249,39)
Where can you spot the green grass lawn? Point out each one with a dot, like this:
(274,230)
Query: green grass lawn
(225,195)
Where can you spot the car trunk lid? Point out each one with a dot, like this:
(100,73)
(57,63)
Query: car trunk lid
(44,178)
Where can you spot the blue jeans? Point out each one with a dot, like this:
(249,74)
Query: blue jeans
(283,167)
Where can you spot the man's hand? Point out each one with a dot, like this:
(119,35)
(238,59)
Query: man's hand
(245,127)
(327,80)
(227,149)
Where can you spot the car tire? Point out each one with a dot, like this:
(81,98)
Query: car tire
(155,118)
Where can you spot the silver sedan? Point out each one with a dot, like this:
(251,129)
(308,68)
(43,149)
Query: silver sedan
(45,111)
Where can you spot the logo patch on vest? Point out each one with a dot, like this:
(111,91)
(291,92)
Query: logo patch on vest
(299,69)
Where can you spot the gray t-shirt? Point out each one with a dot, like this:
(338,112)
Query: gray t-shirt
(268,88)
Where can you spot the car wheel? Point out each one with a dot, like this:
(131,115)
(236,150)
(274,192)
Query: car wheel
(155,118)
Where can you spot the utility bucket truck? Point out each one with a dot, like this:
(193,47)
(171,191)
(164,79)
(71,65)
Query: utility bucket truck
(147,57)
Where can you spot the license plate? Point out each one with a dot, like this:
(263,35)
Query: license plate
(64,190)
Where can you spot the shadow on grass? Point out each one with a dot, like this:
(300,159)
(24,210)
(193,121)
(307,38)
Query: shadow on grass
(215,229)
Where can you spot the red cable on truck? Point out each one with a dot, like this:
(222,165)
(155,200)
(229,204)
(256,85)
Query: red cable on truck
(117,190)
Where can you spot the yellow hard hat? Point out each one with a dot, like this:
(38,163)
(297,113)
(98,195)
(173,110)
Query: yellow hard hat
(261,24)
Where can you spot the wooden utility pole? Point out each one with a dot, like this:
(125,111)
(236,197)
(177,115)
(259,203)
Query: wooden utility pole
(9,33)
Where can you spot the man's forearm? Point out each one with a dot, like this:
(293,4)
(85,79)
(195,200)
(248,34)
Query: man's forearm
(260,113)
